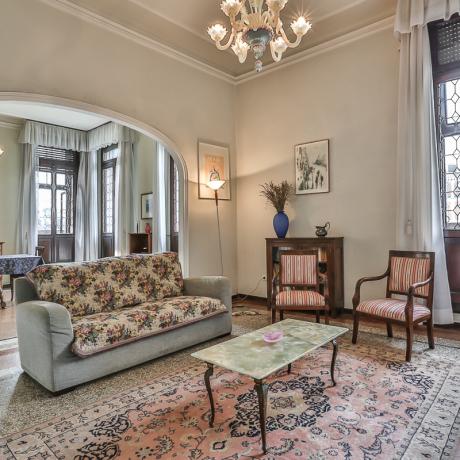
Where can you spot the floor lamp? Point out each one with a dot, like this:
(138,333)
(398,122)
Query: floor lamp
(216,185)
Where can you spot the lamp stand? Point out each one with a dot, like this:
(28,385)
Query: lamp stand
(218,230)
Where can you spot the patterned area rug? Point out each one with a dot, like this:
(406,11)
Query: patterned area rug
(381,407)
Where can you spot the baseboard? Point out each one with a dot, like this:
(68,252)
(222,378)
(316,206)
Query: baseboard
(239,297)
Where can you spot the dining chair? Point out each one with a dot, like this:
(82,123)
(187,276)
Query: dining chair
(299,285)
(409,274)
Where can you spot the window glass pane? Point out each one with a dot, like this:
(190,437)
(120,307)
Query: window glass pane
(44,177)
(110,154)
(107,200)
(44,206)
(452,181)
(61,214)
(176,201)
(60,179)
(452,91)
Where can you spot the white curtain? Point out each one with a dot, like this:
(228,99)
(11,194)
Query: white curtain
(26,236)
(160,199)
(419,222)
(87,210)
(36,133)
(125,193)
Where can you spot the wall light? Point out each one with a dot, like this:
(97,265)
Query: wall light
(1,151)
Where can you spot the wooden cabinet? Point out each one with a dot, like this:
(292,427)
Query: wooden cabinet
(330,256)
(140,243)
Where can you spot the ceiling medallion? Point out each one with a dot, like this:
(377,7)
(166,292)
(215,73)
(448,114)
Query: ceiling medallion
(255,27)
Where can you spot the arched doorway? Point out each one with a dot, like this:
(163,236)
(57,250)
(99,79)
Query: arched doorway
(137,125)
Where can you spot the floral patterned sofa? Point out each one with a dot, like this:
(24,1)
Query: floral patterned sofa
(77,322)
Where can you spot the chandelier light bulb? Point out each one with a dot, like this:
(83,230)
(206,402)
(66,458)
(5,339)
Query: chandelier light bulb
(240,48)
(301,26)
(276,5)
(217,32)
(231,7)
(279,45)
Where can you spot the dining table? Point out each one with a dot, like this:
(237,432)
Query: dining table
(17,265)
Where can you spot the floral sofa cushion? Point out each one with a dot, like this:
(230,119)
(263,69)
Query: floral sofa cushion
(108,284)
(102,331)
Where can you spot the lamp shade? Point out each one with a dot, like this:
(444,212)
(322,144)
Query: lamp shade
(216,184)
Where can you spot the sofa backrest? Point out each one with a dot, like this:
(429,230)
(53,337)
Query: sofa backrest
(107,284)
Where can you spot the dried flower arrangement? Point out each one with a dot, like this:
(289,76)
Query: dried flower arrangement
(277,194)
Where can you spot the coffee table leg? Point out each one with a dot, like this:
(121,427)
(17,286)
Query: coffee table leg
(334,357)
(289,368)
(262,390)
(207,375)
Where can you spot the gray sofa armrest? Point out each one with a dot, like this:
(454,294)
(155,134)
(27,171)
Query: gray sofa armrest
(45,334)
(24,290)
(217,287)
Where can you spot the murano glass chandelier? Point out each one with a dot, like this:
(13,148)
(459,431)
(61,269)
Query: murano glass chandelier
(255,24)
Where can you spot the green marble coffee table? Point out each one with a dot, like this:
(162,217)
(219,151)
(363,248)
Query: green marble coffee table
(250,355)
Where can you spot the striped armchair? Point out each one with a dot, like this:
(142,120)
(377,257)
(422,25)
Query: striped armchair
(409,274)
(299,284)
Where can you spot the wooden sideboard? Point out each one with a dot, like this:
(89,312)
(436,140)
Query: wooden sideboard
(330,256)
(140,243)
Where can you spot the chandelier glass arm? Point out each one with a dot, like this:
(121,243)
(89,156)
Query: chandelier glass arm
(288,43)
(227,45)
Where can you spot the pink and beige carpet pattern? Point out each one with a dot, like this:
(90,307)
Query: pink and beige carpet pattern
(381,408)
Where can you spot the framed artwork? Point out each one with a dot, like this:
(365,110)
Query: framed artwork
(312,167)
(147,205)
(213,164)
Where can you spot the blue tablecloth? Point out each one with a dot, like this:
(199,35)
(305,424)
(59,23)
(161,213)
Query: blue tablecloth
(19,264)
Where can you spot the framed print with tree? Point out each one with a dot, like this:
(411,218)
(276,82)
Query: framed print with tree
(312,167)
(147,205)
(213,164)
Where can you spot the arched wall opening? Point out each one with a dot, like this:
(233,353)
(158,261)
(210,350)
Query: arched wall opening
(137,125)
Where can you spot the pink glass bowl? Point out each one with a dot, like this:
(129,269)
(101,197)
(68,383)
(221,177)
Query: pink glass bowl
(273,336)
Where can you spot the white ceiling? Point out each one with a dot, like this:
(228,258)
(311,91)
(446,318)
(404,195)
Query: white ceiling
(182,24)
(50,114)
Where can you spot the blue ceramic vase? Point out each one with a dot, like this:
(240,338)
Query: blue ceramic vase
(281,224)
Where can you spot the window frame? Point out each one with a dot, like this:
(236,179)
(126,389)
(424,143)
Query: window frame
(108,164)
(56,166)
(443,74)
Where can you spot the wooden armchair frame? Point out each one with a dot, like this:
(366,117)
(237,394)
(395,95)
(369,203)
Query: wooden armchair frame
(306,287)
(409,308)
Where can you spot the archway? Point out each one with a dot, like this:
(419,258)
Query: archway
(137,125)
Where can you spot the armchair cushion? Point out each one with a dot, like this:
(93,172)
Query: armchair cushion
(300,298)
(406,271)
(391,309)
(102,331)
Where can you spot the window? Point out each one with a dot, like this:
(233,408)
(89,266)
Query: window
(109,162)
(174,206)
(445,44)
(56,181)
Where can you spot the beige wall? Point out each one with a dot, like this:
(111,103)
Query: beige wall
(348,95)
(10,164)
(144,172)
(53,53)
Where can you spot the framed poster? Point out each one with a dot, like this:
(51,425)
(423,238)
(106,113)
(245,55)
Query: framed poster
(213,164)
(312,167)
(147,205)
